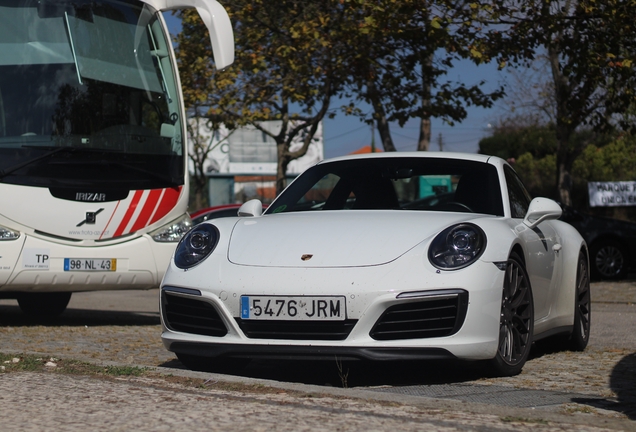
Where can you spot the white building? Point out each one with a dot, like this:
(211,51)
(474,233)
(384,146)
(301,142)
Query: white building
(242,164)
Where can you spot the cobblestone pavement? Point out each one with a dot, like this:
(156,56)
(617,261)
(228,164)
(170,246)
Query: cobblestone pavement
(606,371)
(47,402)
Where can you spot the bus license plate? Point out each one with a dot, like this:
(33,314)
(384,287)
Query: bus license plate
(300,308)
(90,264)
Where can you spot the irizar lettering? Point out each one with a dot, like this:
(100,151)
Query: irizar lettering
(90,196)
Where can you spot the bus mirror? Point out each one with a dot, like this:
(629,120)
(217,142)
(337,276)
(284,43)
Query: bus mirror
(218,23)
(167,130)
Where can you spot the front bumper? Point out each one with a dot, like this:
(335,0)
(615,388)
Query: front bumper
(37,264)
(370,292)
(308,352)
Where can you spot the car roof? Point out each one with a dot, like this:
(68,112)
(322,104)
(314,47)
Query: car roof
(421,154)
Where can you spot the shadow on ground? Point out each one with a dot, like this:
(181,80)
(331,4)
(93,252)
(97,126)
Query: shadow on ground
(12,316)
(349,373)
(623,383)
(390,373)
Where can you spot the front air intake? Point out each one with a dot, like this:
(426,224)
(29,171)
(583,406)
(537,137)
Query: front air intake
(191,315)
(435,316)
(297,330)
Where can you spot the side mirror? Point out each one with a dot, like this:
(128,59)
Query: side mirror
(542,209)
(217,22)
(167,130)
(251,208)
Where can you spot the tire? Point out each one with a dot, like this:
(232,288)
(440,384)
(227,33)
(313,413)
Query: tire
(608,259)
(44,305)
(516,325)
(582,307)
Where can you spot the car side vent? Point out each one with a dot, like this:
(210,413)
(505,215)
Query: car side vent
(297,330)
(190,315)
(437,316)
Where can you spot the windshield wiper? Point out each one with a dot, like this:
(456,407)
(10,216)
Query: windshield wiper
(70,38)
(5,172)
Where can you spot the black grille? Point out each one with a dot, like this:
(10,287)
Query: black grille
(434,317)
(191,316)
(297,330)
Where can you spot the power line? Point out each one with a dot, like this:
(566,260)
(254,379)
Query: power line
(346,133)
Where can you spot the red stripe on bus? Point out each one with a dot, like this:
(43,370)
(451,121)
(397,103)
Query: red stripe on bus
(147,210)
(169,200)
(129,212)
(105,231)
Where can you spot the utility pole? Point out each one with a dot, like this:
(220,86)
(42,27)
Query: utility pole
(440,142)
(372,137)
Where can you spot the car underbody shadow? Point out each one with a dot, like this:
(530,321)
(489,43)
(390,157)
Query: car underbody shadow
(347,374)
(11,315)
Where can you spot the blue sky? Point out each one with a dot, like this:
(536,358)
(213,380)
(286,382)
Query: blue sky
(345,134)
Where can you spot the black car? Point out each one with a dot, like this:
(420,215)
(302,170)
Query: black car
(612,243)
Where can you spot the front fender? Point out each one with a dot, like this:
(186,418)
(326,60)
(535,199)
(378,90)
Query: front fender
(501,237)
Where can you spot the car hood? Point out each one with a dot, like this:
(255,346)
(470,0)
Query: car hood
(334,238)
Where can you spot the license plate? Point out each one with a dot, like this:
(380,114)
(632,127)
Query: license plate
(299,308)
(90,264)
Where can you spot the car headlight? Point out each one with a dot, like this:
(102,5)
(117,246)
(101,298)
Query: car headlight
(172,232)
(196,245)
(457,246)
(8,234)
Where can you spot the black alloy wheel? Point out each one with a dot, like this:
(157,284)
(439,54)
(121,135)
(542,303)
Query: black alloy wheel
(609,260)
(516,324)
(582,307)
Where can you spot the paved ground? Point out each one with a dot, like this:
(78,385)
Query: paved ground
(47,402)
(109,330)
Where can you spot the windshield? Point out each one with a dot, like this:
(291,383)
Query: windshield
(94,78)
(395,184)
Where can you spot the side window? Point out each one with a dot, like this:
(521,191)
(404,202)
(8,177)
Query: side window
(517,194)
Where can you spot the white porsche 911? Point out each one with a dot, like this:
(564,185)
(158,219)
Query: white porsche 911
(409,256)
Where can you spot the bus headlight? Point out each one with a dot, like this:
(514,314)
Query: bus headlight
(8,234)
(172,232)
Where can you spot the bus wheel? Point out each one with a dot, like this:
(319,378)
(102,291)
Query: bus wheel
(44,305)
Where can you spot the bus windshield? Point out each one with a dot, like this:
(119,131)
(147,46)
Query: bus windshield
(88,94)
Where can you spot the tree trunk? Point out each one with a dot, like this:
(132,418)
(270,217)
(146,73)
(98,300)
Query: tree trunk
(424,141)
(565,127)
(281,167)
(564,180)
(565,161)
(385,133)
(379,115)
(200,200)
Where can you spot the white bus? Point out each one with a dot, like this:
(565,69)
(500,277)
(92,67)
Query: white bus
(93,163)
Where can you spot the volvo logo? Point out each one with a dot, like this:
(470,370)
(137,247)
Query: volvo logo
(90,196)
(91,218)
